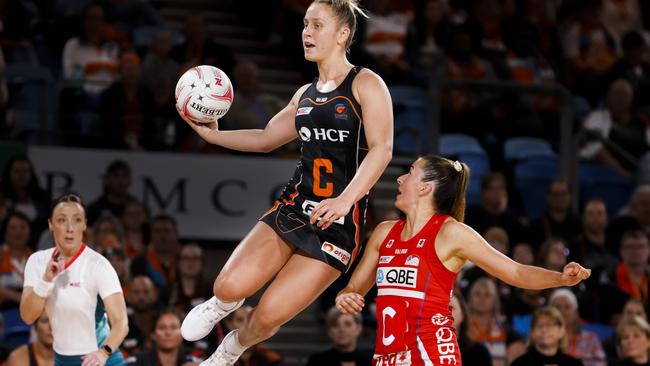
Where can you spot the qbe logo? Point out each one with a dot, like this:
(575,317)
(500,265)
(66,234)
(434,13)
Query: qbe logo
(336,252)
(397,276)
(308,207)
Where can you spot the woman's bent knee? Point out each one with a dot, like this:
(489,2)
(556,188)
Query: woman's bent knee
(226,289)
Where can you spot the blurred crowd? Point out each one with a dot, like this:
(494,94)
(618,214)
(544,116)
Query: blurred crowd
(115,64)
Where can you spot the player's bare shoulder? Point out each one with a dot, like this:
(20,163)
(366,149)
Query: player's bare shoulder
(366,82)
(295,100)
(383,228)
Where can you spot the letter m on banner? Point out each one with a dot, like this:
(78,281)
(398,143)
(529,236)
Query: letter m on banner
(151,196)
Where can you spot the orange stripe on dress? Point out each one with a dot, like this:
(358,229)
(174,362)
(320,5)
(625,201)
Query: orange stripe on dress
(357,234)
(293,195)
(273,208)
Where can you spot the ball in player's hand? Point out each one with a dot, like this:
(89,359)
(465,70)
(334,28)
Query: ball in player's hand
(203,94)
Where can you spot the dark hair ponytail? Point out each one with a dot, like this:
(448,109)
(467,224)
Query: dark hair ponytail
(451,179)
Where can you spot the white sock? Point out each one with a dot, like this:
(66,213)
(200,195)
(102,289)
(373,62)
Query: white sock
(231,343)
(226,306)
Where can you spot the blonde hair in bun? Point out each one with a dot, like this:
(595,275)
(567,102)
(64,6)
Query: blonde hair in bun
(346,11)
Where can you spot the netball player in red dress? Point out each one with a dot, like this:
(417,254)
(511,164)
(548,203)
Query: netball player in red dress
(345,123)
(414,262)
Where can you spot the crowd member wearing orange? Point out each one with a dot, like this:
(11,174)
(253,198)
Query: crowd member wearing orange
(582,344)
(159,261)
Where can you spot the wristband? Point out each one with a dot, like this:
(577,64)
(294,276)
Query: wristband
(43,288)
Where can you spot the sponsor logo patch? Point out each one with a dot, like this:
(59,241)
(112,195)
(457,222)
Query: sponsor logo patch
(439,319)
(421,243)
(340,111)
(304,111)
(390,243)
(412,260)
(397,276)
(386,259)
(336,252)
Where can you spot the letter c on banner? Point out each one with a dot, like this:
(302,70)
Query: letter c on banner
(216,197)
(388,311)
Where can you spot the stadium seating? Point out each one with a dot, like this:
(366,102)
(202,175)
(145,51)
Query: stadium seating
(599,181)
(532,177)
(468,150)
(412,132)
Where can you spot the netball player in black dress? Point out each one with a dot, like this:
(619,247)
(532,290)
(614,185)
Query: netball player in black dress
(312,233)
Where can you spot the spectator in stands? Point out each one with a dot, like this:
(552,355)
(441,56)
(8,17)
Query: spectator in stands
(141,301)
(167,347)
(91,58)
(432,27)
(547,340)
(23,193)
(634,67)
(493,209)
(116,181)
(630,278)
(119,261)
(590,49)
(622,16)
(522,252)
(16,34)
(160,72)
(385,38)
(635,216)
(485,23)
(487,324)
(13,257)
(39,352)
(614,136)
(107,233)
(190,287)
(131,14)
(470,112)
(558,219)
(251,108)
(472,352)
(159,261)
(344,331)
(135,222)
(593,251)
(199,49)
(553,253)
(582,344)
(633,341)
(127,108)
(634,307)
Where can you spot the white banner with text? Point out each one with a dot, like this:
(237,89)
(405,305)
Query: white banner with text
(216,197)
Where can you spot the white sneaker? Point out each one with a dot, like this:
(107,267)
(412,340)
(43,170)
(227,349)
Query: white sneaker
(220,357)
(202,318)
